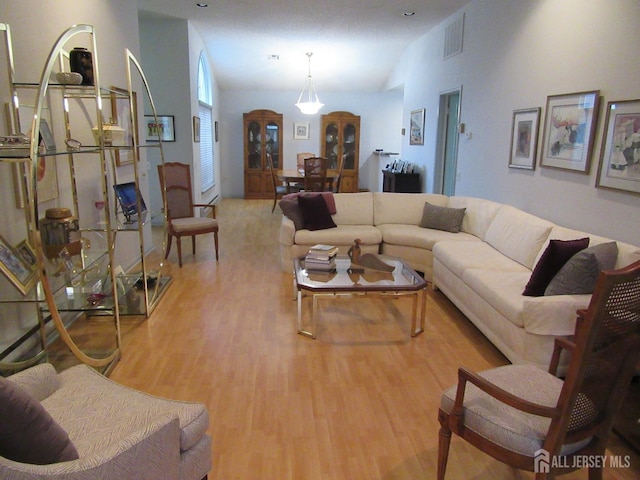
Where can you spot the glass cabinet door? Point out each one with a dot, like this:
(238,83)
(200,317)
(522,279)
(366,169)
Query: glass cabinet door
(272,143)
(349,145)
(254,142)
(331,144)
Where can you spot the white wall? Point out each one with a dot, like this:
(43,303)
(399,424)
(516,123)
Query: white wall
(516,53)
(380,125)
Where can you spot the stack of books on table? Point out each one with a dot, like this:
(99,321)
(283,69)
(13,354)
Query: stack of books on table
(321,257)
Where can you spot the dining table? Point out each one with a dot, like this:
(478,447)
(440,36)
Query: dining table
(294,176)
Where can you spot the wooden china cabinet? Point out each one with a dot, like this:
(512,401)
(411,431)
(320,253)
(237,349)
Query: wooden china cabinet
(262,135)
(341,140)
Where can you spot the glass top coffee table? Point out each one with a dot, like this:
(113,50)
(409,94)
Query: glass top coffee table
(353,281)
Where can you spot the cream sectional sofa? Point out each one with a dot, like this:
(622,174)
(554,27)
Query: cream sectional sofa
(483,269)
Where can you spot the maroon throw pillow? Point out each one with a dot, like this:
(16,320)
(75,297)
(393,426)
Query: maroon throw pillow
(315,212)
(291,209)
(28,434)
(557,253)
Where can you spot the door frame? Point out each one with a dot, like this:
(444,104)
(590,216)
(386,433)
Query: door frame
(443,117)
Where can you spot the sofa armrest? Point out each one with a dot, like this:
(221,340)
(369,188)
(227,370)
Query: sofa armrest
(287,231)
(39,381)
(148,454)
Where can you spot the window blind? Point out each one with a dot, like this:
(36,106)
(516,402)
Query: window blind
(207,175)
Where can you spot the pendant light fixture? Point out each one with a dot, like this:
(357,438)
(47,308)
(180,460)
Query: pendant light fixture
(311,104)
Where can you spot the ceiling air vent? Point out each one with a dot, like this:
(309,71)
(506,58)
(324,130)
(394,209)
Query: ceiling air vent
(453,34)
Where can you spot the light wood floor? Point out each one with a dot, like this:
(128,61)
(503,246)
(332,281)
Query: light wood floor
(359,402)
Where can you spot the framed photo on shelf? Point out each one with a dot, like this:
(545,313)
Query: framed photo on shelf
(121,114)
(524,138)
(416,127)
(619,167)
(21,275)
(301,131)
(569,130)
(196,129)
(26,253)
(47,176)
(163,129)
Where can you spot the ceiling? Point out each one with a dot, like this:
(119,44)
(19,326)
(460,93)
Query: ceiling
(355,43)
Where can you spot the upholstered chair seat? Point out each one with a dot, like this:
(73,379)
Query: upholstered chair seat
(503,425)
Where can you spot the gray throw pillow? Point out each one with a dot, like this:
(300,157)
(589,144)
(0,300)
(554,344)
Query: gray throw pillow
(28,434)
(442,218)
(579,274)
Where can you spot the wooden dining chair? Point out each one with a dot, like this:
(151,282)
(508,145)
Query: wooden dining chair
(532,420)
(300,159)
(279,190)
(175,184)
(315,174)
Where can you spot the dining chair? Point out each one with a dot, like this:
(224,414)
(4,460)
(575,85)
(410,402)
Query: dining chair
(300,159)
(279,190)
(315,174)
(528,418)
(177,193)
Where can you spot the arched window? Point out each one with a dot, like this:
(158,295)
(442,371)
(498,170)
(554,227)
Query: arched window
(205,112)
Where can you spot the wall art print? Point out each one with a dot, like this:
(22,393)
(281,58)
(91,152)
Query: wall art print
(524,138)
(619,167)
(570,123)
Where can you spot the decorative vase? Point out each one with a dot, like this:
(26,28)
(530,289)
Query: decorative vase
(81,61)
(59,229)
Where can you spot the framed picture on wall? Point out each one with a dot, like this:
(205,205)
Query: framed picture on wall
(196,129)
(416,127)
(301,131)
(619,167)
(524,138)
(162,129)
(569,130)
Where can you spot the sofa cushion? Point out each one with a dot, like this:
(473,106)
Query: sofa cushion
(579,274)
(342,235)
(557,253)
(353,208)
(292,210)
(517,234)
(28,434)
(415,236)
(479,214)
(315,212)
(503,291)
(458,256)
(442,218)
(404,208)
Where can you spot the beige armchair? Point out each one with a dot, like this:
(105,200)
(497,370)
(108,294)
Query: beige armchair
(119,433)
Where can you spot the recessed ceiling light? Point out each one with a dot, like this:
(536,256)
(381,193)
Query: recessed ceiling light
(409,14)
(202,5)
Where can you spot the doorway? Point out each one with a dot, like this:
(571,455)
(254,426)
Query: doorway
(447,150)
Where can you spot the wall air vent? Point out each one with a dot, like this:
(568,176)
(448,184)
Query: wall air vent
(453,34)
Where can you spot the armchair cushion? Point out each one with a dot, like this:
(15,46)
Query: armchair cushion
(28,434)
(512,429)
(192,223)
